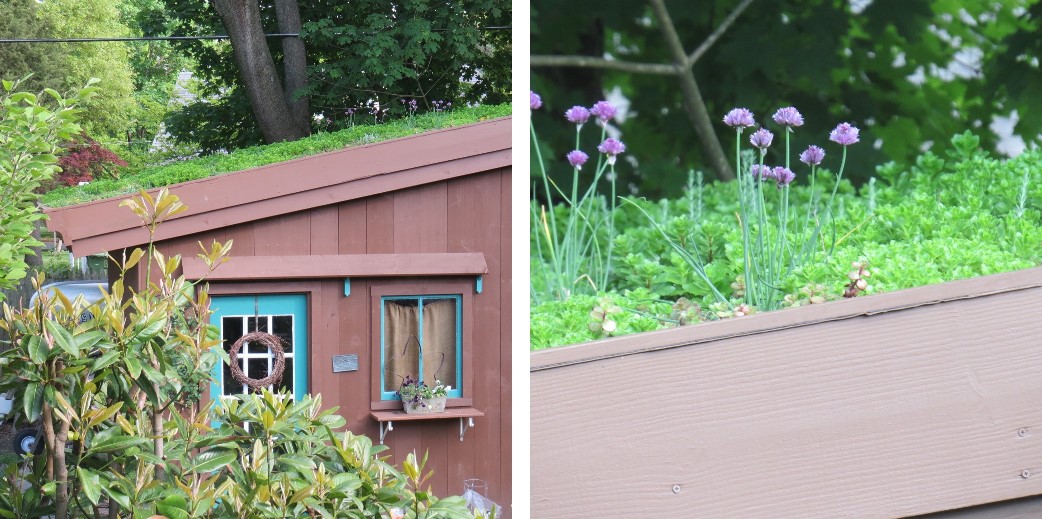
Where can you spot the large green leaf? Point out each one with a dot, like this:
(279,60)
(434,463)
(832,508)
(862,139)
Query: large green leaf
(210,461)
(37,349)
(116,443)
(62,338)
(32,401)
(173,507)
(90,482)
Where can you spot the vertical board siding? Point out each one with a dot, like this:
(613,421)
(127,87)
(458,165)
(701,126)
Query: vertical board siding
(505,362)
(325,230)
(466,214)
(474,224)
(887,415)
(352,227)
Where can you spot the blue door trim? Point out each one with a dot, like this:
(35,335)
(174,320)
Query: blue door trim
(267,304)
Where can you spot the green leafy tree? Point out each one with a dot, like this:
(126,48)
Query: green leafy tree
(110,113)
(46,63)
(31,129)
(358,54)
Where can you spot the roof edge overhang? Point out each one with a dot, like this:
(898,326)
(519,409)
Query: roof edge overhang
(706,333)
(292,186)
(339,266)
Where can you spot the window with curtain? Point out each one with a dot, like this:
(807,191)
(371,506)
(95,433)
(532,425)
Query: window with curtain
(421,339)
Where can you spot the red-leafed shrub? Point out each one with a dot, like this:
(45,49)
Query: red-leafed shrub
(85,160)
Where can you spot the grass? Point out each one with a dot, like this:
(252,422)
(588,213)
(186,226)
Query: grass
(255,156)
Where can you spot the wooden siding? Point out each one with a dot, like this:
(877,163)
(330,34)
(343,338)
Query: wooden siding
(891,405)
(460,215)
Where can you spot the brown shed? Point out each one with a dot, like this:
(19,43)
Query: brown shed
(372,263)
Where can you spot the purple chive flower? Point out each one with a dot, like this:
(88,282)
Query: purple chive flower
(611,147)
(844,134)
(577,158)
(812,156)
(788,116)
(739,118)
(604,111)
(577,115)
(762,172)
(761,138)
(783,175)
(534,101)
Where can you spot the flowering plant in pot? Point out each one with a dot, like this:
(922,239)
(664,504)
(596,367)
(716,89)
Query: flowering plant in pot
(419,398)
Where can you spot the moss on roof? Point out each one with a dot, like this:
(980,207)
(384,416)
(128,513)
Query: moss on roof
(255,156)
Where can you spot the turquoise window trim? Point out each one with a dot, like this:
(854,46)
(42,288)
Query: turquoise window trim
(347,287)
(477,285)
(267,304)
(457,390)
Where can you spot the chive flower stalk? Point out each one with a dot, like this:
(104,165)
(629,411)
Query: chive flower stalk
(577,158)
(577,115)
(739,118)
(788,117)
(784,176)
(612,148)
(761,172)
(761,139)
(534,101)
(604,112)
(844,134)
(812,156)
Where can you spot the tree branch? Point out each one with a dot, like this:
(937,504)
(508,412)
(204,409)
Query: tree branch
(694,56)
(592,62)
(694,105)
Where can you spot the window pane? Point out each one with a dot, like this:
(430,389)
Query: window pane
(400,342)
(439,342)
(282,326)
(257,368)
(287,377)
(257,324)
(231,386)
(231,330)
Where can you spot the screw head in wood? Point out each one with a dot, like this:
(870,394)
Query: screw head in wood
(676,489)
(1025,474)
(1022,432)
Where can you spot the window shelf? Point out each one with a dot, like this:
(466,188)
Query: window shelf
(386,419)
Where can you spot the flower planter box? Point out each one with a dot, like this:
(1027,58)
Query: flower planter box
(891,405)
(425,406)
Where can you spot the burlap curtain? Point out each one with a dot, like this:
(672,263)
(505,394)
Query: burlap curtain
(439,341)
(401,349)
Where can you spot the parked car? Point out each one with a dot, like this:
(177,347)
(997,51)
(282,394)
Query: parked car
(26,439)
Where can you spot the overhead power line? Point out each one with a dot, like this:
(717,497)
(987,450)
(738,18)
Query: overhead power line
(181,38)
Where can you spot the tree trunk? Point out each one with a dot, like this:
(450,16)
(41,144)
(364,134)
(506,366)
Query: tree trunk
(294,63)
(693,102)
(241,18)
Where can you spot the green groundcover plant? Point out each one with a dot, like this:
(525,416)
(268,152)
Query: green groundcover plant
(117,396)
(148,177)
(781,237)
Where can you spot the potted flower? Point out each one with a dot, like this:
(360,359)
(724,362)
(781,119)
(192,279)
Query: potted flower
(419,398)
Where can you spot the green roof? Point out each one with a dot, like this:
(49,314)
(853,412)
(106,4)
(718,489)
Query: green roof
(255,156)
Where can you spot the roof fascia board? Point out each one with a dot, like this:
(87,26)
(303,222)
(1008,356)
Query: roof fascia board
(339,266)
